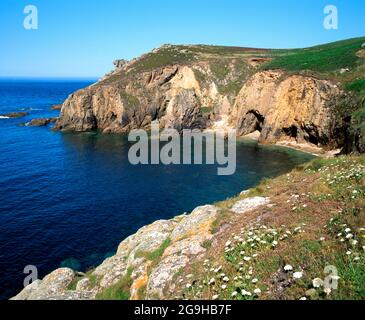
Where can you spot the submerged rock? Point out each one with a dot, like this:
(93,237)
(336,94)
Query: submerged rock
(14,115)
(42,122)
(56,107)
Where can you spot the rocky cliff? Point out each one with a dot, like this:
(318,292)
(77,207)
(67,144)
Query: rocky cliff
(286,107)
(203,87)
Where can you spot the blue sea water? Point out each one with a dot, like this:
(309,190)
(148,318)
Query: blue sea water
(69,199)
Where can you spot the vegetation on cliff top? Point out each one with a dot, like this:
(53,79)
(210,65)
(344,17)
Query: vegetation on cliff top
(322,58)
(327,57)
(315,223)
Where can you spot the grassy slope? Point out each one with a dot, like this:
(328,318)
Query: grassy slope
(313,207)
(323,58)
(318,59)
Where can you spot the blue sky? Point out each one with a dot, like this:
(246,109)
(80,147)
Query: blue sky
(81,38)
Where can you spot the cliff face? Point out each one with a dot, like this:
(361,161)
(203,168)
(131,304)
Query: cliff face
(286,107)
(180,95)
(188,87)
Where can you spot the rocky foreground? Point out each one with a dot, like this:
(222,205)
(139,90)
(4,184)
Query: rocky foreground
(271,242)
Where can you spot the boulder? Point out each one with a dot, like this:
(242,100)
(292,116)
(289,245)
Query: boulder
(56,107)
(14,115)
(42,122)
(198,222)
(54,284)
(249,204)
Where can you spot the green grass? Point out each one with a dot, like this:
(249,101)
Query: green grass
(73,284)
(356,85)
(328,57)
(131,100)
(358,88)
(89,275)
(220,69)
(155,255)
(206,110)
(226,50)
(164,57)
(119,291)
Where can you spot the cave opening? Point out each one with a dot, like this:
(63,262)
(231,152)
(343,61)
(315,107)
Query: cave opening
(312,139)
(259,120)
(291,132)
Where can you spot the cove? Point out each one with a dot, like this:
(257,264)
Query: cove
(70,199)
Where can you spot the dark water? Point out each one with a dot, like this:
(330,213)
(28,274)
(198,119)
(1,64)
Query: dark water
(69,199)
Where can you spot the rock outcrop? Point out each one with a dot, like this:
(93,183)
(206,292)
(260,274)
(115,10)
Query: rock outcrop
(184,89)
(14,115)
(150,259)
(249,204)
(170,94)
(56,107)
(42,122)
(286,108)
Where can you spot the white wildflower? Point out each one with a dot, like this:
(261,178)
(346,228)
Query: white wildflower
(246,293)
(317,283)
(298,275)
(327,291)
(288,268)
(257,291)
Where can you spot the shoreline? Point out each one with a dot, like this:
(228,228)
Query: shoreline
(302,147)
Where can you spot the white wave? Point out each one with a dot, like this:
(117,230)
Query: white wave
(3,117)
(30,109)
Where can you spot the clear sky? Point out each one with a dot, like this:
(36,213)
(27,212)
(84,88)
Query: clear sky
(81,38)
